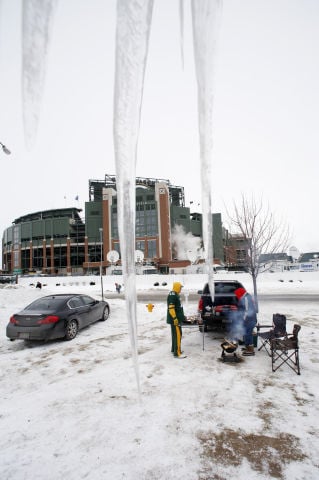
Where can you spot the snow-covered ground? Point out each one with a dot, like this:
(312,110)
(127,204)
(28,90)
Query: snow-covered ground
(72,410)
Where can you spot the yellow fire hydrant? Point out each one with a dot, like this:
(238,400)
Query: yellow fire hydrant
(150,307)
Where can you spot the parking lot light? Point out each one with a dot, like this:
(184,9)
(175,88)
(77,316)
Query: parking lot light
(101,263)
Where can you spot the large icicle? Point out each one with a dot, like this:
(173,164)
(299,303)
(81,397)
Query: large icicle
(36,27)
(206,17)
(181,21)
(132,36)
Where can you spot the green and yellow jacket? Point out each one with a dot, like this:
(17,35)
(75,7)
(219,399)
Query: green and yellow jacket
(174,306)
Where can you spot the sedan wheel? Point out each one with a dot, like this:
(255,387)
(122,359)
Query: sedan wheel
(106,313)
(71,329)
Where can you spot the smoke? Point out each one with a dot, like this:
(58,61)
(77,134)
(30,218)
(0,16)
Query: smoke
(185,246)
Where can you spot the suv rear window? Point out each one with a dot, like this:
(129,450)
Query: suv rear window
(223,287)
(226,300)
(226,287)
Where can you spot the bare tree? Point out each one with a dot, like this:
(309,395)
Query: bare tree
(260,231)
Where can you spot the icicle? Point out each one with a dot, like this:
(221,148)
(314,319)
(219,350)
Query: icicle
(36,28)
(132,36)
(181,19)
(205,16)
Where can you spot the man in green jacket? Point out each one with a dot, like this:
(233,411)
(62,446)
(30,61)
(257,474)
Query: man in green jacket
(175,317)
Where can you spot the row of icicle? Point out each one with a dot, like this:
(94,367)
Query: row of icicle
(134,19)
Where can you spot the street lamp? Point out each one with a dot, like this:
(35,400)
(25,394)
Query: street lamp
(101,264)
(5,149)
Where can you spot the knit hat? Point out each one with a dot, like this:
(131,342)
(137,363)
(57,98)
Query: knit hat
(177,286)
(239,292)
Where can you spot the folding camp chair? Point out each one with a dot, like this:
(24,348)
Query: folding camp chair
(286,351)
(278,330)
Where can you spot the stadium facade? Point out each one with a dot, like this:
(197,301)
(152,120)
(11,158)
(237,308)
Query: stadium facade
(61,241)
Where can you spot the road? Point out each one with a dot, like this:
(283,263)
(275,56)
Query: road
(160,296)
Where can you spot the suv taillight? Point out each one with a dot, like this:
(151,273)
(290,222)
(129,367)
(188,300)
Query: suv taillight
(200,305)
(220,308)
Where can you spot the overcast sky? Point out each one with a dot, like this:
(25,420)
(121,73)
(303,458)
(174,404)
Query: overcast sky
(265,112)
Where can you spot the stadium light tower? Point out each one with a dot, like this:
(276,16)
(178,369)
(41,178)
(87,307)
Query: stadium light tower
(5,149)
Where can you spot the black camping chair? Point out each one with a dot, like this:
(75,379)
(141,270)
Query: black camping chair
(286,351)
(278,330)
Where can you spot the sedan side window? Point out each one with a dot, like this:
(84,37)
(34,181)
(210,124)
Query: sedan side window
(87,300)
(75,303)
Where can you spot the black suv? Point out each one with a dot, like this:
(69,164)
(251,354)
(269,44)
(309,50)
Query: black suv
(218,314)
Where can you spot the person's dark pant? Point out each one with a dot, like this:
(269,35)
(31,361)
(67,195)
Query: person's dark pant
(248,335)
(236,330)
(176,340)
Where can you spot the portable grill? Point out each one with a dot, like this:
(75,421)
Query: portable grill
(229,351)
